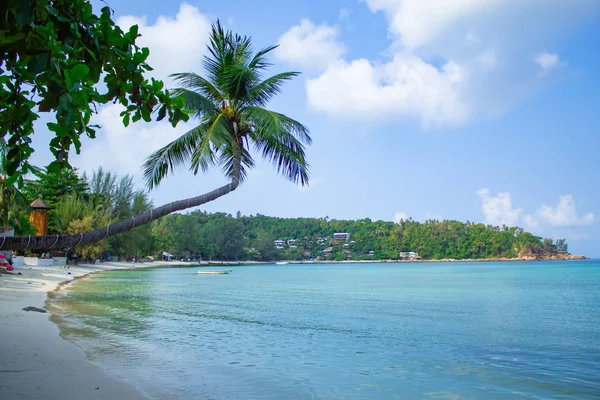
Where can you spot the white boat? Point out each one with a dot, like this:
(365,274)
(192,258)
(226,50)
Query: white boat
(282,262)
(218,272)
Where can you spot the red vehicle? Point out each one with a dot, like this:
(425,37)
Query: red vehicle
(4,263)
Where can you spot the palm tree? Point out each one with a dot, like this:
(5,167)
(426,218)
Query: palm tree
(230,106)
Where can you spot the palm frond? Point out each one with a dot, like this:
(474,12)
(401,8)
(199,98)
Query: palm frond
(216,135)
(226,162)
(217,49)
(167,159)
(262,93)
(238,81)
(196,102)
(194,82)
(229,102)
(276,123)
(286,153)
(259,61)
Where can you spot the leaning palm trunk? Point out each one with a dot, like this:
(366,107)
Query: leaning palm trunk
(50,242)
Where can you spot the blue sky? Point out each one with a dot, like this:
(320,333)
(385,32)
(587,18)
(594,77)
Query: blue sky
(479,110)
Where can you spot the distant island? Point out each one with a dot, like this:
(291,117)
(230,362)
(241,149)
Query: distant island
(220,236)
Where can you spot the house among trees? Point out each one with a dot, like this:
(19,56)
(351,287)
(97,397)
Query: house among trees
(278,244)
(328,250)
(412,255)
(342,236)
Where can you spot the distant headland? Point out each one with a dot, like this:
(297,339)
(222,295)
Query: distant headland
(219,236)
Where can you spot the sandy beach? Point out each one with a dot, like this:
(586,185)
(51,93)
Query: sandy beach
(35,362)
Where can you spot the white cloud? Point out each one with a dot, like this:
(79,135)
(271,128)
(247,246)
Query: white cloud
(311,46)
(559,221)
(406,86)
(176,44)
(400,216)
(498,210)
(562,216)
(486,44)
(418,22)
(547,60)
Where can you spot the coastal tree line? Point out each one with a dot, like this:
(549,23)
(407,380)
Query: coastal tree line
(81,202)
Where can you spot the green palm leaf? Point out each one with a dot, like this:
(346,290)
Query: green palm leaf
(265,90)
(175,154)
(194,82)
(229,104)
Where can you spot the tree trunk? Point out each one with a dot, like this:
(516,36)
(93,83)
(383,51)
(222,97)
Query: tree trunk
(50,242)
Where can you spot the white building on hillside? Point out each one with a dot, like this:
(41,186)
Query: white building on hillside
(409,254)
(344,236)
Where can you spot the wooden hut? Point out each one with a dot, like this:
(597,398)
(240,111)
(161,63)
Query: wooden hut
(39,216)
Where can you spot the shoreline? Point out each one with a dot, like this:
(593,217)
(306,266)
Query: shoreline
(35,361)
(568,257)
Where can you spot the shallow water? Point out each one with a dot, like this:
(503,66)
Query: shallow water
(353,331)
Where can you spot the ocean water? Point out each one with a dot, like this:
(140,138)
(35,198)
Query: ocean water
(518,330)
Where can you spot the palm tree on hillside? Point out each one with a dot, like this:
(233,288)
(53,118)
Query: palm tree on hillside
(229,103)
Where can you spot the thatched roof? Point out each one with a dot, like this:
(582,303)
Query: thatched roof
(40,204)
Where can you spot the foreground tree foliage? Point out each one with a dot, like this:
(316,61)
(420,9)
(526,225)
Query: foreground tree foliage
(53,54)
(229,103)
(14,206)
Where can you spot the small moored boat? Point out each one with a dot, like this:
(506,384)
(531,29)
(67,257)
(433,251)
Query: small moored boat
(282,262)
(218,272)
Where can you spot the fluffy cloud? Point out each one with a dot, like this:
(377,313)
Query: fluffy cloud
(547,60)
(498,210)
(400,216)
(310,46)
(562,216)
(176,44)
(406,86)
(418,22)
(481,52)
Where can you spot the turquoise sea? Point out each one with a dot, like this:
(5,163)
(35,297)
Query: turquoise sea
(511,330)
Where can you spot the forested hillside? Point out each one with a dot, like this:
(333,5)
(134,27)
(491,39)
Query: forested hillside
(81,203)
(222,236)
